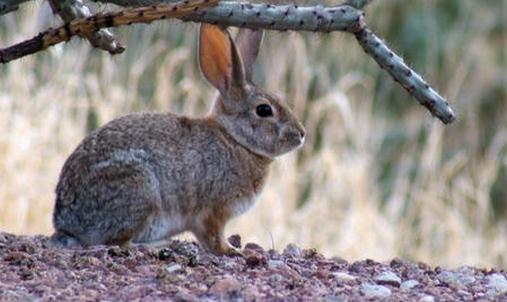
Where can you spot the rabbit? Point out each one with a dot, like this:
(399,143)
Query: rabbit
(145,177)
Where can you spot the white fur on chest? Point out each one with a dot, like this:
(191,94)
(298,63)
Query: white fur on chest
(165,225)
(162,227)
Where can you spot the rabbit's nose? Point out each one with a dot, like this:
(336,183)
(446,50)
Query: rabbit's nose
(302,134)
(299,136)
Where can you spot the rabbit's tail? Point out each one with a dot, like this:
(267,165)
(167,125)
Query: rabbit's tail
(63,240)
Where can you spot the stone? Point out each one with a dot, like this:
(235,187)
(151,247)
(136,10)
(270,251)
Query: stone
(427,298)
(173,268)
(388,278)
(235,241)
(276,264)
(254,258)
(292,250)
(409,284)
(374,291)
(456,278)
(342,276)
(254,246)
(165,254)
(497,284)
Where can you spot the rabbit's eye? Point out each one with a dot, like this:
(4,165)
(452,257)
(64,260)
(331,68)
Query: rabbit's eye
(264,110)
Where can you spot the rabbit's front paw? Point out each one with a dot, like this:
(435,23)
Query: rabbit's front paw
(232,251)
(219,246)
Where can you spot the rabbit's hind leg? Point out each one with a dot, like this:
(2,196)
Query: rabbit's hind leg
(114,205)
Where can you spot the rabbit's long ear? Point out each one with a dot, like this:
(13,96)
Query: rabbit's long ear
(249,42)
(220,60)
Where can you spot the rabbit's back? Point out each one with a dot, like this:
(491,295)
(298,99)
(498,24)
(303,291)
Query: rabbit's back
(163,166)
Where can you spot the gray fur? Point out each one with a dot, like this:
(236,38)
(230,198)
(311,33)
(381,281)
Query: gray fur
(145,177)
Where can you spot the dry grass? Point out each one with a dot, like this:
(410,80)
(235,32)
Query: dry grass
(377,178)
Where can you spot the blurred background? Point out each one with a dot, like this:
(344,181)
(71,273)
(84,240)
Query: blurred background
(377,178)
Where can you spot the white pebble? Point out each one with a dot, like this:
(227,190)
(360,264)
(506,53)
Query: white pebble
(409,284)
(374,291)
(173,268)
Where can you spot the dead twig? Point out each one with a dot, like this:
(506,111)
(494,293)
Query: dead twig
(85,27)
(69,10)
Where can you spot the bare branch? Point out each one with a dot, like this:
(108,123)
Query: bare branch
(243,14)
(84,27)
(69,10)
(283,17)
(406,77)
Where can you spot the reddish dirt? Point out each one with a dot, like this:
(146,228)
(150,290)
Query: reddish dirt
(31,270)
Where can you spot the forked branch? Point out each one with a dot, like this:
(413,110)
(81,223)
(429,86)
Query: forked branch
(69,10)
(243,14)
(86,27)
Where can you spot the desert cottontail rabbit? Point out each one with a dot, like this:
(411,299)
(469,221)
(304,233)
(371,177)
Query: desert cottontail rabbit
(145,177)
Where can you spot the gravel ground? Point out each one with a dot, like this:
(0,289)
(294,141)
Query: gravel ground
(30,270)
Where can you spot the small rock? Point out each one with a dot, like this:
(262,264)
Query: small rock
(254,246)
(388,278)
(374,291)
(409,284)
(184,249)
(165,254)
(117,251)
(342,276)
(292,250)
(397,262)
(427,298)
(497,284)
(173,268)
(276,264)
(235,241)
(207,259)
(456,278)
(254,258)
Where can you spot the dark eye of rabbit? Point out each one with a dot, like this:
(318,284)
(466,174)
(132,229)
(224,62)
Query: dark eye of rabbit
(264,110)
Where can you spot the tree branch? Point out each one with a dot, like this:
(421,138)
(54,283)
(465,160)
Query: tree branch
(85,27)
(69,10)
(284,17)
(404,75)
(243,14)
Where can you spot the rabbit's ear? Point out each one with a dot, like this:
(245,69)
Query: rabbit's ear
(220,60)
(249,43)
